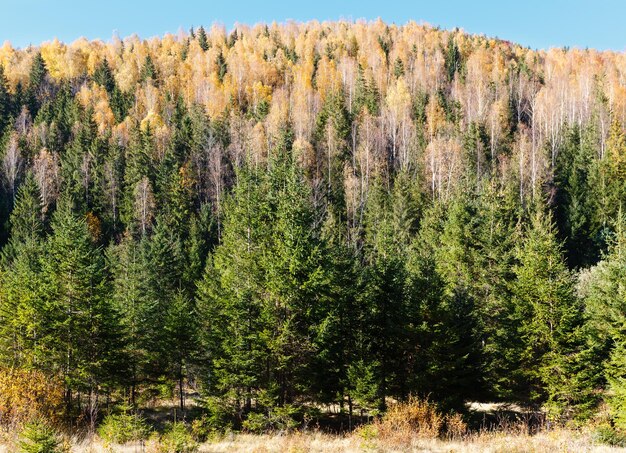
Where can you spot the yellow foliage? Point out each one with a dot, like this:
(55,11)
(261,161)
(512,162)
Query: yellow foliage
(28,394)
(417,418)
(152,120)
(53,54)
(94,225)
(96,97)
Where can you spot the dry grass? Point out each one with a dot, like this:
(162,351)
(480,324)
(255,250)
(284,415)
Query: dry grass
(559,440)
(414,426)
(316,442)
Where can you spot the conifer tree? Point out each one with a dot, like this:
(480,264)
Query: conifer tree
(21,317)
(104,76)
(202,39)
(80,326)
(603,293)
(37,86)
(547,311)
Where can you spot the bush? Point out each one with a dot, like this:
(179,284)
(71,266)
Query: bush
(606,434)
(177,439)
(123,428)
(276,419)
(28,395)
(39,437)
(418,418)
(205,428)
(368,433)
(421,418)
(219,416)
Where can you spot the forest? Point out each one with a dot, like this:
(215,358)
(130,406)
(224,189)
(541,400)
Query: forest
(274,223)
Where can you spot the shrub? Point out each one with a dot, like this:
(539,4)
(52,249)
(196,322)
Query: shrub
(455,426)
(28,395)
(177,439)
(275,419)
(123,428)
(606,434)
(219,416)
(418,418)
(205,428)
(421,418)
(368,433)
(39,437)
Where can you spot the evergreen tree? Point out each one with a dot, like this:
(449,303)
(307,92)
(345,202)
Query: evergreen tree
(202,39)
(149,71)
(443,269)
(180,330)
(37,86)
(577,199)
(222,66)
(547,313)
(21,317)
(261,284)
(103,76)
(605,300)
(131,300)
(80,327)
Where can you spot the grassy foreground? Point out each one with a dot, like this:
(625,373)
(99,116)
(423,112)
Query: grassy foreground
(547,441)
(412,426)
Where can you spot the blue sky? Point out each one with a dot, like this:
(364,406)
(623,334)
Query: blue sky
(599,24)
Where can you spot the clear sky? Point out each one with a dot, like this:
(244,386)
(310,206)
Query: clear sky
(599,24)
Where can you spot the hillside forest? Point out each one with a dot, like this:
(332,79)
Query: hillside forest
(282,218)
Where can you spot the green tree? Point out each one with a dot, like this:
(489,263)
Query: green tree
(80,326)
(103,76)
(260,286)
(604,295)
(202,39)
(149,71)
(547,312)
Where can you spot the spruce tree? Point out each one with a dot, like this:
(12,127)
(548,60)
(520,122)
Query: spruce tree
(80,329)
(604,295)
(202,39)
(37,85)
(104,76)
(547,312)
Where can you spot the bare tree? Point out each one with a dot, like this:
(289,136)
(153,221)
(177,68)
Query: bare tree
(12,164)
(144,204)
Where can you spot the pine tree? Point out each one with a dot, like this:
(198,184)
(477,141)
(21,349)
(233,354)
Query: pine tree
(80,327)
(26,217)
(202,39)
(131,300)
(23,321)
(547,313)
(389,304)
(577,200)
(222,66)
(229,300)
(443,272)
(494,241)
(261,285)
(104,76)
(149,71)
(181,334)
(36,93)
(605,300)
